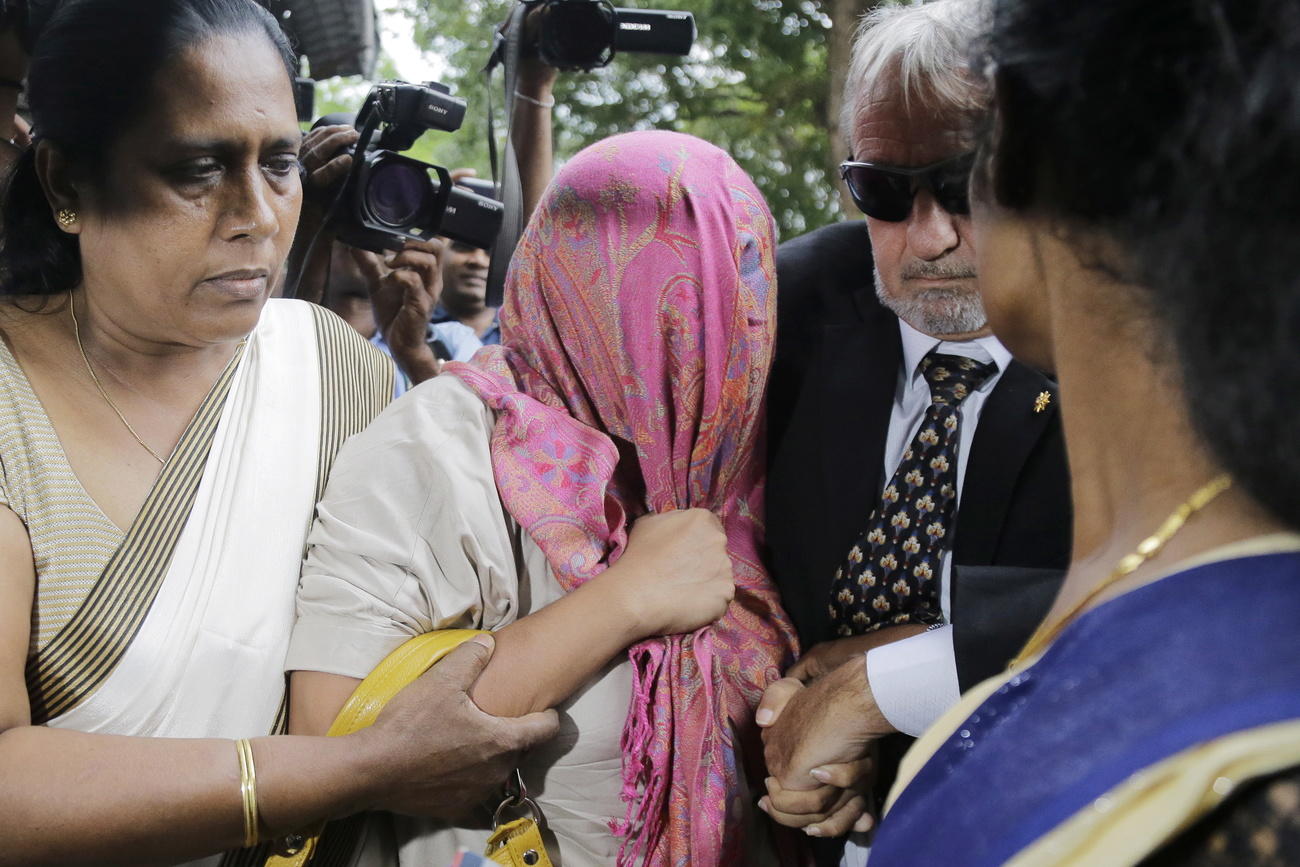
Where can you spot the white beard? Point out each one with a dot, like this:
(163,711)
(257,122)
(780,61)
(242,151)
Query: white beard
(936,311)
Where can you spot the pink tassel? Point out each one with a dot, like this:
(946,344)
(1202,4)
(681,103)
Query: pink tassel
(645,776)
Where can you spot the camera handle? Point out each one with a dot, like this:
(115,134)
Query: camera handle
(505,172)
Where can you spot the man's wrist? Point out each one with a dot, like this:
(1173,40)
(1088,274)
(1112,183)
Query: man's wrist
(535,78)
(850,681)
(417,362)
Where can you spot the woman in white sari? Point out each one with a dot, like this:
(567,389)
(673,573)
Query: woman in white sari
(165,432)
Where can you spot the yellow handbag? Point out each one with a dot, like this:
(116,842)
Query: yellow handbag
(516,843)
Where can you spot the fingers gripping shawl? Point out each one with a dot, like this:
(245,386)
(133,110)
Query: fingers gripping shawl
(637,336)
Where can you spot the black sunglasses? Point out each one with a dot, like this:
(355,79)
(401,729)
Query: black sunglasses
(886,192)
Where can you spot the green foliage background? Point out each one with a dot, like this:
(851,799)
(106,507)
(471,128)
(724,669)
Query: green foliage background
(756,85)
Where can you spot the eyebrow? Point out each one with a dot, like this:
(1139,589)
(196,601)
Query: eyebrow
(186,145)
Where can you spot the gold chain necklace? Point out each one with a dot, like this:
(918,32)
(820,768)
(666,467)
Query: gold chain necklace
(76,331)
(1146,549)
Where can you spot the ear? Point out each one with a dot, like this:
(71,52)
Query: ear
(55,175)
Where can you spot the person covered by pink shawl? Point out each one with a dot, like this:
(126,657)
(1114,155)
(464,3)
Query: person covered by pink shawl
(624,427)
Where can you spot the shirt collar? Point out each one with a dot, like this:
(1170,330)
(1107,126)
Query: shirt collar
(916,346)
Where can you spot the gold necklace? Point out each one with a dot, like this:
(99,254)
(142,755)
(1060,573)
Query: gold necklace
(76,331)
(1146,549)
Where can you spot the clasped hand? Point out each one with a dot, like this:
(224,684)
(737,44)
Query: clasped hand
(820,727)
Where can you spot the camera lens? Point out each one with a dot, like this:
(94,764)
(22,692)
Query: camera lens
(397,192)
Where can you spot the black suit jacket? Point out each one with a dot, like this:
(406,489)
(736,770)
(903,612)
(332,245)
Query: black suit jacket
(832,390)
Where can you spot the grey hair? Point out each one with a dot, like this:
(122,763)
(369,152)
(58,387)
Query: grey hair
(927,44)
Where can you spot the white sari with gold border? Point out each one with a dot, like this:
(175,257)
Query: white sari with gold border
(185,631)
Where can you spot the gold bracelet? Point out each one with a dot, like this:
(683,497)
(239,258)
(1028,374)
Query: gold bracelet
(248,790)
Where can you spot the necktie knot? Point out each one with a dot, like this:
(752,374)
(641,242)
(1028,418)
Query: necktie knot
(953,377)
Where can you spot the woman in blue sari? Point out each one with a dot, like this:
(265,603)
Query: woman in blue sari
(1137,204)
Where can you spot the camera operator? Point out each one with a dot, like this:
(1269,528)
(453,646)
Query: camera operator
(400,290)
(464,291)
(389,299)
(403,286)
(464,266)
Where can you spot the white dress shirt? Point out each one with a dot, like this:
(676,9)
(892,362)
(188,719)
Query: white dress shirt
(915,680)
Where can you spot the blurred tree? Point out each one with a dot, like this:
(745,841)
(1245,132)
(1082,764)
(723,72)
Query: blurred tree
(756,84)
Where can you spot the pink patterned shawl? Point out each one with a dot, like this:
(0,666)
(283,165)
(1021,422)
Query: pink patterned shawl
(637,337)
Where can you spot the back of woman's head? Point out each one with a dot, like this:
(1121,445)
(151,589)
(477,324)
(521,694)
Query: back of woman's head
(90,79)
(1173,130)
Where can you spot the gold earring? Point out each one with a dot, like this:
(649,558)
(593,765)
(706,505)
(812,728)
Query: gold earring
(66,217)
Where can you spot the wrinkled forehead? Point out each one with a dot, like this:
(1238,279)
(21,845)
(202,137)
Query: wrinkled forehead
(895,130)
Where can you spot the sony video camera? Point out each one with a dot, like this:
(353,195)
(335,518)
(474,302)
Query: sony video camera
(585,34)
(388,198)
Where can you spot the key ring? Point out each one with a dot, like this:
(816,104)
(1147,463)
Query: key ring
(516,797)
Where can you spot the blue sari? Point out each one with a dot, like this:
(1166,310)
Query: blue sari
(1196,656)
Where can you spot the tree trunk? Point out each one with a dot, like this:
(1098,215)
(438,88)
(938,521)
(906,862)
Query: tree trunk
(844,16)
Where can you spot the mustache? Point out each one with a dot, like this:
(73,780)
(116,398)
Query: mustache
(938,270)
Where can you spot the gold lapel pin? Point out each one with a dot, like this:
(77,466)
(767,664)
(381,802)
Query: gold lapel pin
(1041,402)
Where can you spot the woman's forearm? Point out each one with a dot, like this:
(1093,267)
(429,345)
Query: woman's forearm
(73,798)
(542,659)
(675,576)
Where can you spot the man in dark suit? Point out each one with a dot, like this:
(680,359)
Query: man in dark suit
(918,496)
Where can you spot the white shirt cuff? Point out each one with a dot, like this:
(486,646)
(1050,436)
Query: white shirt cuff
(914,681)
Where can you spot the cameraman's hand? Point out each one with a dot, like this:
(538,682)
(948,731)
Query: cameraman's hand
(404,290)
(534,77)
(326,160)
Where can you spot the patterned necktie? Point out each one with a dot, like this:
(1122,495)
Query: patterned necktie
(892,572)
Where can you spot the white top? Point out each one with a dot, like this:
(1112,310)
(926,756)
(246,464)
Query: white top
(915,680)
(410,537)
(206,658)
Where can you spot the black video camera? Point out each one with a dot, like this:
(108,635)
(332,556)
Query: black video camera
(585,34)
(388,198)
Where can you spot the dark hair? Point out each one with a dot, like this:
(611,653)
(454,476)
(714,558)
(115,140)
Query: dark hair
(89,79)
(1173,129)
(13,13)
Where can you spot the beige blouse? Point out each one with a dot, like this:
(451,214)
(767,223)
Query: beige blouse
(72,539)
(410,537)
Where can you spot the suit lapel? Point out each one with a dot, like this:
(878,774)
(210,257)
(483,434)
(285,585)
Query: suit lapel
(1009,429)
